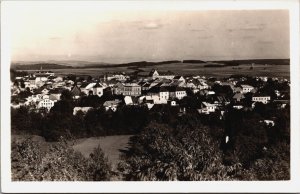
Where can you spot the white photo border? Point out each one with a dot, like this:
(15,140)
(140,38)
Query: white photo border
(161,187)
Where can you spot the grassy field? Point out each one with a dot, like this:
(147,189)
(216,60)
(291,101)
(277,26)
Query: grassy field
(112,146)
(282,71)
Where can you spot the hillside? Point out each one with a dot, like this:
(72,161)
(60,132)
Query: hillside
(38,66)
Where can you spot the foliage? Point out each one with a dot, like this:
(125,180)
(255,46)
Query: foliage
(33,161)
(160,153)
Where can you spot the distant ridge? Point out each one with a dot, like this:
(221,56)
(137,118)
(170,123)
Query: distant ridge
(39,66)
(193,61)
(139,64)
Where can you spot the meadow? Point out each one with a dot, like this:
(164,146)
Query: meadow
(280,71)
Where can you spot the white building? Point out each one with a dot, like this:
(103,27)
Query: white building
(180,93)
(246,88)
(262,99)
(82,109)
(98,89)
(207,108)
(46,103)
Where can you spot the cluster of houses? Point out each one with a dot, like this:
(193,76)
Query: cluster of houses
(151,89)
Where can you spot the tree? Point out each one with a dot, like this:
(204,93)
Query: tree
(66,95)
(159,153)
(32,161)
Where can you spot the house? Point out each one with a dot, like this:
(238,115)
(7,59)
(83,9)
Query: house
(261,98)
(238,97)
(46,102)
(87,88)
(207,108)
(154,74)
(177,92)
(191,85)
(160,93)
(111,104)
(162,75)
(42,78)
(76,92)
(128,100)
(58,79)
(98,89)
(84,110)
(32,81)
(120,77)
(132,89)
(222,100)
(118,88)
(146,86)
(246,88)
(179,78)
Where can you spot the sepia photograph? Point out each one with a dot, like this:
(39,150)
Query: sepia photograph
(148,92)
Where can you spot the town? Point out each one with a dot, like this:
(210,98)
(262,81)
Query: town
(42,89)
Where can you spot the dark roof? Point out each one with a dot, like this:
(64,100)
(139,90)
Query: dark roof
(97,85)
(238,96)
(177,77)
(152,71)
(75,91)
(84,84)
(260,95)
(55,91)
(146,85)
(154,90)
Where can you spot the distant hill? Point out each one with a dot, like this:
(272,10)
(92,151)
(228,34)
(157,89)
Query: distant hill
(38,66)
(255,61)
(193,61)
(139,64)
(132,64)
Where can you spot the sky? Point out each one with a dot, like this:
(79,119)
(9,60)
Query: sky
(95,33)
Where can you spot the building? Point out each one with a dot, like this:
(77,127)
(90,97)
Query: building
(261,98)
(76,92)
(111,105)
(154,74)
(84,110)
(98,89)
(179,78)
(161,92)
(207,108)
(246,88)
(132,89)
(177,92)
(118,88)
(46,102)
(238,97)
(162,75)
